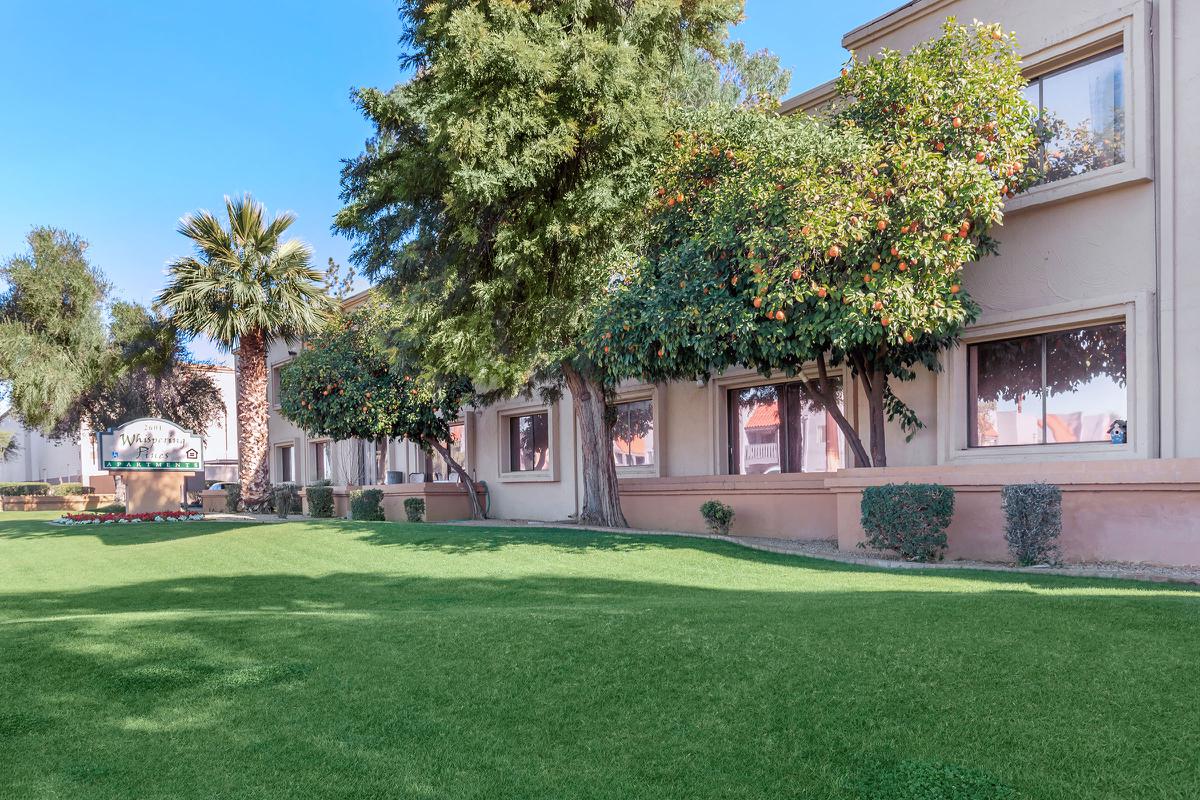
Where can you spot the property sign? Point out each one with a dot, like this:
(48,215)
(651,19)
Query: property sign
(151,444)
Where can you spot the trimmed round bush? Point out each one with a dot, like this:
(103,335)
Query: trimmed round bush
(414,509)
(320,500)
(367,504)
(69,489)
(1032,522)
(717,516)
(20,489)
(909,518)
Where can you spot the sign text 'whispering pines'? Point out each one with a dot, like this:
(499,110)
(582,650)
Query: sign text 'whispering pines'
(151,444)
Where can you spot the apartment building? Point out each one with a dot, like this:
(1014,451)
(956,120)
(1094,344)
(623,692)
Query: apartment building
(1098,259)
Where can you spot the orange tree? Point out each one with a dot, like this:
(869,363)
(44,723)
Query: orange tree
(348,383)
(779,241)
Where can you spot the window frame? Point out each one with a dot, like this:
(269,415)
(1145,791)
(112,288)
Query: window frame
(275,387)
(278,463)
(783,444)
(314,444)
(1127,28)
(1136,310)
(1041,392)
(637,392)
(507,475)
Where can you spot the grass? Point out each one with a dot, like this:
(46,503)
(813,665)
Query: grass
(368,660)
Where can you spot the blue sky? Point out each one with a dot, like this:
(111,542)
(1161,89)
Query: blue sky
(116,119)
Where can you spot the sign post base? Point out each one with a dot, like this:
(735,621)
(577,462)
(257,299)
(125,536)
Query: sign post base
(153,491)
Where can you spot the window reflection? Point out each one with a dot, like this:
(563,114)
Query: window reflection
(1054,388)
(633,434)
(779,428)
(1082,116)
(528,443)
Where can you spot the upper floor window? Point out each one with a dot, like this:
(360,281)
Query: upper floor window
(778,428)
(1051,388)
(529,442)
(633,434)
(277,384)
(1081,116)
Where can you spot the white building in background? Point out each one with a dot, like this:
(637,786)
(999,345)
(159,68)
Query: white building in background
(42,459)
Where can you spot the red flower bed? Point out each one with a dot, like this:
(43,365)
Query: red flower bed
(147,516)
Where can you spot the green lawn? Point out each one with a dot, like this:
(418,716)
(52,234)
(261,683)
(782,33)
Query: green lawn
(373,660)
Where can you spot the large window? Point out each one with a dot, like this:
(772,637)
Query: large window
(1053,388)
(529,442)
(286,473)
(458,451)
(1081,116)
(633,434)
(779,428)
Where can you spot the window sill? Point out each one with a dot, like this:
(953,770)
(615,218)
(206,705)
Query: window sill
(641,471)
(541,476)
(1100,180)
(1091,451)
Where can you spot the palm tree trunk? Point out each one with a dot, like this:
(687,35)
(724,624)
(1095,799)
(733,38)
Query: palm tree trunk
(253,465)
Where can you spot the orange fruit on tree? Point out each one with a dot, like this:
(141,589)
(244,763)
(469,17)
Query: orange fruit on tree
(895,251)
(757,302)
(796,273)
(834,251)
(947,237)
(980,157)
(955,288)
(822,292)
(885,321)
(875,266)
(956,122)
(902,266)
(881,225)
(908,337)
(779,315)
(877,305)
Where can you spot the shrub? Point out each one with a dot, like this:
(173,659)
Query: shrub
(281,498)
(320,499)
(233,497)
(65,489)
(366,504)
(284,499)
(111,508)
(18,489)
(909,518)
(1032,521)
(717,516)
(414,509)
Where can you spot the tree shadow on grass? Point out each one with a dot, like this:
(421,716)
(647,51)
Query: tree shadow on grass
(557,686)
(116,534)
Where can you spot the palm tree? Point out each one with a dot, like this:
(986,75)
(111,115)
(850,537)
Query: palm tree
(245,288)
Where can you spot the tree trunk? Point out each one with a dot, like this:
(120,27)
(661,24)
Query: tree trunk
(601,496)
(875,384)
(253,467)
(472,492)
(823,391)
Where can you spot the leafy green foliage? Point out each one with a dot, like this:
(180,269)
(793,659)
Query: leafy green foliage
(285,499)
(505,177)
(233,497)
(348,383)
(17,489)
(717,516)
(776,240)
(245,279)
(51,333)
(68,489)
(144,371)
(1032,522)
(732,78)
(320,500)
(367,504)
(414,509)
(910,518)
